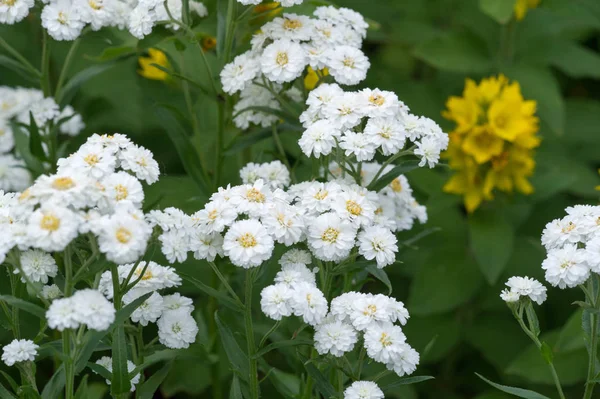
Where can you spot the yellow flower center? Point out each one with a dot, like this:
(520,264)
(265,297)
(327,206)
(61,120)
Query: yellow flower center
(142,162)
(25,195)
(50,222)
(330,235)
(385,339)
(247,240)
(396,185)
(121,192)
(292,24)
(348,62)
(321,195)
(377,99)
(568,228)
(255,195)
(353,208)
(91,159)
(123,235)
(385,133)
(10,2)
(62,18)
(96,6)
(370,310)
(212,215)
(63,183)
(282,58)
(147,275)
(2,132)
(308,298)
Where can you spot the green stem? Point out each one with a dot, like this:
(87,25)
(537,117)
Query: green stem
(281,150)
(225,283)
(65,68)
(45,67)
(271,331)
(69,366)
(9,49)
(388,162)
(594,302)
(253,363)
(219,143)
(230,26)
(14,281)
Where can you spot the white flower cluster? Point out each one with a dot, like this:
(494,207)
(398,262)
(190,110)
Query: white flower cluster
(19,350)
(172,313)
(16,104)
(363,390)
(65,19)
(573,246)
(106,362)
(88,307)
(284,47)
(275,174)
(256,95)
(97,189)
(523,287)
(244,222)
(283,3)
(364,122)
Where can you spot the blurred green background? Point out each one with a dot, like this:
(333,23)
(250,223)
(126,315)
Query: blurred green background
(450,281)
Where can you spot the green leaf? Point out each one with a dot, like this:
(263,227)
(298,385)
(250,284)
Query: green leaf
(492,239)
(100,370)
(92,338)
(65,96)
(499,10)
(547,352)
(287,384)
(185,78)
(113,53)
(282,344)
(18,68)
(35,140)
(407,381)
(159,356)
(251,137)
(220,295)
(387,178)
(171,120)
(236,390)
(321,382)
(148,388)
(13,384)
(532,320)
(380,275)
(54,388)
(22,148)
(5,393)
(521,393)
(120,381)
(235,354)
(24,305)
(456,52)
(82,390)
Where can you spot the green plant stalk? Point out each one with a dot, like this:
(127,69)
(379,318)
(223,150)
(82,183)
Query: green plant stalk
(225,283)
(215,371)
(45,67)
(65,68)
(9,49)
(219,143)
(253,362)
(593,300)
(281,150)
(14,281)
(69,366)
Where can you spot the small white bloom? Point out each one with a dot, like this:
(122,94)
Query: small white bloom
(335,337)
(294,257)
(106,362)
(52,227)
(149,311)
(566,267)
(363,390)
(525,286)
(330,238)
(318,139)
(295,273)
(275,301)
(359,145)
(348,65)
(177,301)
(62,21)
(61,314)
(93,309)
(248,244)
(37,266)
(50,292)
(19,350)
(309,302)
(177,329)
(378,243)
(283,61)
(140,162)
(238,74)
(206,246)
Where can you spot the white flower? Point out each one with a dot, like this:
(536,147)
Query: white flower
(61,314)
(97,13)
(525,286)
(238,74)
(248,244)
(74,125)
(406,362)
(330,238)
(13,173)
(359,145)
(566,267)
(385,133)
(348,65)
(378,243)
(177,329)
(14,11)
(140,162)
(429,150)
(37,266)
(149,311)
(151,276)
(363,390)
(249,2)
(177,301)
(140,22)
(355,208)
(52,227)
(283,61)
(509,296)
(380,104)
(319,197)
(91,160)
(335,337)
(343,306)
(121,187)
(50,292)
(593,254)
(252,198)
(291,27)
(384,342)
(63,188)
(295,257)
(215,216)
(175,245)
(62,21)
(7,138)
(285,224)
(106,362)
(562,231)
(93,309)
(206,246)
(309,302)
(344,111)
(318,139)
(369,310)
(123,236)
(43,110)
(292,274)
(275,301)
(19,350)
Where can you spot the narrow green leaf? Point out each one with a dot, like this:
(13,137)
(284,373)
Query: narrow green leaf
(500,10)
(282,344)
(113,53)
(101,370)
(532,320)
(521,393)
(148,388)
(321,382)
(160,356)
(407,381)
(380,275)
(13,384)
(18,68)
(236,390)
(221,296)
(387,178)
(74,83)
(35,140)
(235,354)
(24,305)
(82,390)
(180,76)
(120,376)
(54,388)
(5,393)
(22,148)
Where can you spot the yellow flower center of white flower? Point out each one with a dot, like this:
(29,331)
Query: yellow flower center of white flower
(353,207)
(282,58)
(348,62)
(63,183)
(62,18)
(370,310)
(50,222)
(345,110)
(247,240)
(123,235)
(396,185)
(96,6)
(142,162)
(385,339)
(91,159)
(292,24)
(25,195)
(566,264)
(255,195)
(379,211)
(377,99)
(212,215)
(147,274)
(568,228)
(121,192)
(385,133)
(330,235)
(10,2)
(308,298)
(321,195)
(2,132)
(282,221)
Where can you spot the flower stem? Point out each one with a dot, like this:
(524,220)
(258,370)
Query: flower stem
(45,67)
(253,378)
(65,68)
(594,302)
(9,49)
(69,367)
(271,331)
(225,283)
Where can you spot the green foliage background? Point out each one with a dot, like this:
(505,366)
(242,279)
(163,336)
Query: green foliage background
(423,50)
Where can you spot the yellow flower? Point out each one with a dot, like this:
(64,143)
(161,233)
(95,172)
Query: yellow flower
(149,71)
(491,147)
(312,77)
(208,43)
(271,9)
(522,6)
